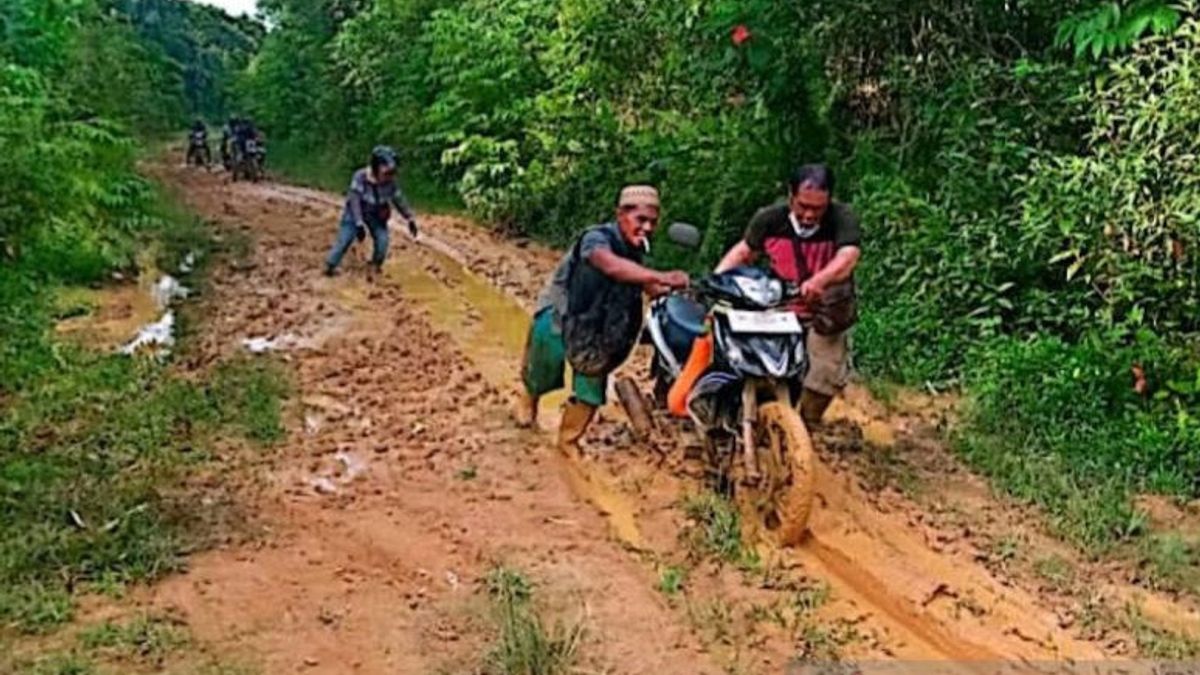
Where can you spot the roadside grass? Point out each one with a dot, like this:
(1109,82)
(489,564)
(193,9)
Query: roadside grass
(96,449)
(1056,570)
(147,639)
(90,464)
(1170,563)
(671,580)
(142,644)
(1062,426)
(732,628)
(526,645)
(1155,642)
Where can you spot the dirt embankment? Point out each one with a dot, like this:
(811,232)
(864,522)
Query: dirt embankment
(403,482)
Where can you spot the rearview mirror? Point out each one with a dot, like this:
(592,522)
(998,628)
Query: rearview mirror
(684,234)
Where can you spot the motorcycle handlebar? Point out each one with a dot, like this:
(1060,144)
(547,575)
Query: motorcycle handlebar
(702,291)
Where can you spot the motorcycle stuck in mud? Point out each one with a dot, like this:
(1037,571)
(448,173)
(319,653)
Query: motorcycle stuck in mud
(756,444)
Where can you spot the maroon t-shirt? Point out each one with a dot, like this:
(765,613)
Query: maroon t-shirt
(796,258)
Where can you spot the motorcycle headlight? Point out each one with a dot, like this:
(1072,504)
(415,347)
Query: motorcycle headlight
(763,291)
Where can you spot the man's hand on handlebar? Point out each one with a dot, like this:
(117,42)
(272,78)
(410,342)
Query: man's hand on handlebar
(812,289)
(673,279)
(657,290)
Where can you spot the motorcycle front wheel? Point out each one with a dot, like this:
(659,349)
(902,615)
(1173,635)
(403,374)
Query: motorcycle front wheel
(787,462)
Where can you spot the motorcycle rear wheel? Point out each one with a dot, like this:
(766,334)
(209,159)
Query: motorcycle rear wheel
(785,456)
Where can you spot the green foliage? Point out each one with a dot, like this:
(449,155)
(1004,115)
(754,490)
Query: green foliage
(536,112)
(1113,27)
(671,580)
(1117,223)
(72,203)
(199,50)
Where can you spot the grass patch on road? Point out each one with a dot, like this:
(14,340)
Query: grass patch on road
(526,644)
(714,531)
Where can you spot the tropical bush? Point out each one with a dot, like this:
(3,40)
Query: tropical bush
(94,447)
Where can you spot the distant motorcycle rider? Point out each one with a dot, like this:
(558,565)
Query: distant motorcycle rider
(228,133)
(372,195)
(243,132)
(198,143)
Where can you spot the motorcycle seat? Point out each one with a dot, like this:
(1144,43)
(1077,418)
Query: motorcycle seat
(683,321)
(686,314)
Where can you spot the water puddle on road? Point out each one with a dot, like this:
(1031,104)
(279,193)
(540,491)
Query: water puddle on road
(111,315)
(127,315)
(490,328)
(601,491)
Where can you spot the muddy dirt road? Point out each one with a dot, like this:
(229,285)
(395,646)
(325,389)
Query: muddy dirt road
(403,482)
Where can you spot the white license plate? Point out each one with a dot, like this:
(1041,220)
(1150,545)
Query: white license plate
(776,323)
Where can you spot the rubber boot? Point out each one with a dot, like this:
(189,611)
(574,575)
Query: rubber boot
(575,420)
(525,409)
(813,406)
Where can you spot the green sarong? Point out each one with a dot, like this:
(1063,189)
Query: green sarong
(546,360)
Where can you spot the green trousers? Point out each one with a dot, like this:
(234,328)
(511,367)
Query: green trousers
(546,361)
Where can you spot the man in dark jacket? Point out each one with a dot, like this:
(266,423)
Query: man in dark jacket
(614,250)
(372,194)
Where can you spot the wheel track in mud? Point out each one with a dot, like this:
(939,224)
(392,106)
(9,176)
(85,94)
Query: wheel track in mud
(923,604)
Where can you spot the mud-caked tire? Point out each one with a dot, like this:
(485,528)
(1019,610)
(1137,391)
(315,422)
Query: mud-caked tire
(788,463)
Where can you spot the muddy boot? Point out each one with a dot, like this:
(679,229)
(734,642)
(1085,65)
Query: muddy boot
(525,409)
(813,406)
(330,271)
(575,419)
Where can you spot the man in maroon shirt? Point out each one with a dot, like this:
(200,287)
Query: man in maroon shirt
(814,241)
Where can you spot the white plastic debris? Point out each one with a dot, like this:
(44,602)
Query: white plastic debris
(323,485)
(353,467)
(167,290)
(259,345)
(161,333)
(188,264)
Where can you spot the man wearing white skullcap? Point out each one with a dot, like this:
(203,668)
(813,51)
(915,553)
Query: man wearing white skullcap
(590,313)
